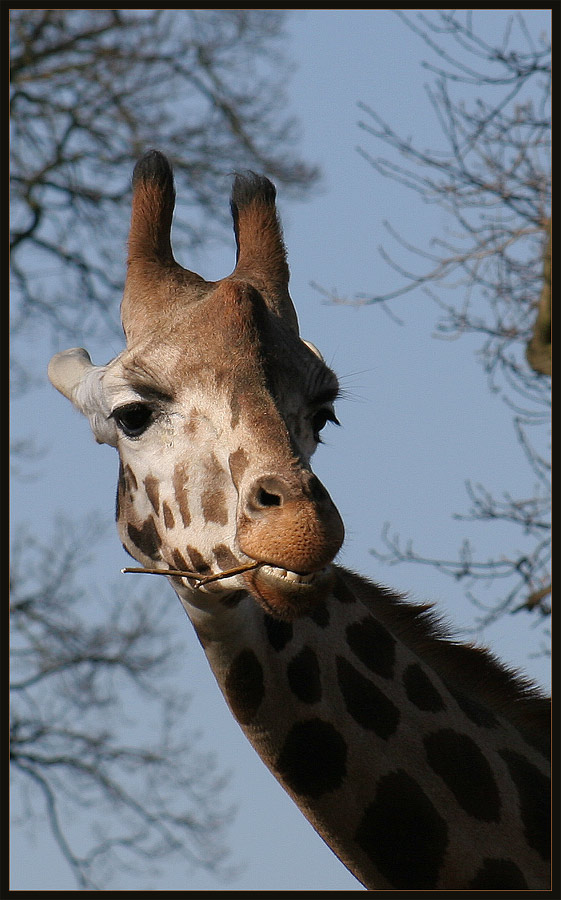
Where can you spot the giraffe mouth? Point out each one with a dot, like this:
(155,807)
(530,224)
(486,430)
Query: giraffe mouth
(273,572)
(286,594)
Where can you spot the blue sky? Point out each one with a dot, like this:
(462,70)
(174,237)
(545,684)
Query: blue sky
(419,420)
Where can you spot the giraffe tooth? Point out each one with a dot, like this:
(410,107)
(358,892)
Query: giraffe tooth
(290,575)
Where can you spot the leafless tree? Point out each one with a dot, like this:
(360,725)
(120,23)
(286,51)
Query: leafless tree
(111,801)
(91,90)
(493,179)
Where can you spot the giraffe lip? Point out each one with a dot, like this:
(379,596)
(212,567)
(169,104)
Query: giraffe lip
(286,594)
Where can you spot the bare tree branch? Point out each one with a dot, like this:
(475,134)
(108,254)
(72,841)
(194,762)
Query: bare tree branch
(493,179)
(91,90)
(72,682)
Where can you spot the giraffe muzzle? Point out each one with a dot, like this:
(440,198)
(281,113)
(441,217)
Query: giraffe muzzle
(292,524)
(293,527)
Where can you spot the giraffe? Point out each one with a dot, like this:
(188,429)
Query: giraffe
(421,761)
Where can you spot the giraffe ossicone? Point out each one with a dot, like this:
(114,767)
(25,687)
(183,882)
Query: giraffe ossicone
(422,762)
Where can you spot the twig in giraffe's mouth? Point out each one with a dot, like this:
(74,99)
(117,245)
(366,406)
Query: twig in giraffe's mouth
(200,580)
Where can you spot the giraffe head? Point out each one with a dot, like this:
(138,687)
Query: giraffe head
(215,408)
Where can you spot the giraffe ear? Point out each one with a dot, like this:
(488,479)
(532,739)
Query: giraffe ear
(154,278)
(75,376)
(67,369)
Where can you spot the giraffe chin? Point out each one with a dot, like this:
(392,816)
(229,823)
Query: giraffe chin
(285,594)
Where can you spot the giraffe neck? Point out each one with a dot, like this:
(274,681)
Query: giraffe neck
(387,738)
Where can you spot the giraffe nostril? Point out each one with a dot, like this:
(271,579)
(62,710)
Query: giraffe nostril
(266,498)
(266,493)
(270,491)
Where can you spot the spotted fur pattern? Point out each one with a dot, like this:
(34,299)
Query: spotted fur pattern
(412,775)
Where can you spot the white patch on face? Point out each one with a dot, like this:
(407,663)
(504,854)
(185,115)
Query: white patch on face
(185,449)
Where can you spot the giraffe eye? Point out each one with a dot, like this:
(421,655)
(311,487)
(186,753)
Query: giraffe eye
(133,419)
(320,419)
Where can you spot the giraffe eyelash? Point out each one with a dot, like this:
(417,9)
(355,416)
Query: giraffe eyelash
(320,418)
